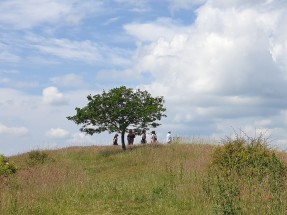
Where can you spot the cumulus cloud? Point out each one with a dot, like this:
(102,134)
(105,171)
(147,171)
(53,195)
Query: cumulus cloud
(18,131)
(52,96)
(57,133)
(222,68)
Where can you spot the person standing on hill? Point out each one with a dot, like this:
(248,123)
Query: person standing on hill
(115,140)
(131,136)
(168,137)
(143,140)
(153,137)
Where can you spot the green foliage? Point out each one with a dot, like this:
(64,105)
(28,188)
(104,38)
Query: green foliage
(6,168)
(37,157)
(246,177)
(117,109)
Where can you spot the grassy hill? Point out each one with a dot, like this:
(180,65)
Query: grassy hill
(149,179)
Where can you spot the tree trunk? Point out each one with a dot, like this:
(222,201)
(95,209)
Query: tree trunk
(123,140)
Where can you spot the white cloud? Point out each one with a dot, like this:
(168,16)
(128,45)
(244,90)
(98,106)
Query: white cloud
(52,96)
(221,69)
(111,20)
(6,55)
(85,51)
(229,52)
(19,108)
(15,104)
(225,70)
(75,50)
(69,80)
(162,28)
(57,133)
(81,138)
(42,60)
(118,76)
(184,4)
(137,5)
(27,14)
(9,72)
(7,82)
(240,3)
(18,131)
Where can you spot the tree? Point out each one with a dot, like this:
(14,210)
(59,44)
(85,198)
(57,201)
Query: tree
(118,109)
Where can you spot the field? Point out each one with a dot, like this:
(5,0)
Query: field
(144,179)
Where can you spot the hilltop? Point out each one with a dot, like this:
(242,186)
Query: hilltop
(144,179)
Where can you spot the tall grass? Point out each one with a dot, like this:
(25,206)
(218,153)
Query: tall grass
(151,179)
(146,179)
(246,177)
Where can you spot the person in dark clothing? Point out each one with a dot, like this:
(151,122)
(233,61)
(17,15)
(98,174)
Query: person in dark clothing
(115,140)
(131,137)
(143,140)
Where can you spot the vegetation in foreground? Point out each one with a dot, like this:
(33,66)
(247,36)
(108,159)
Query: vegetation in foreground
(147,179)
(246,177)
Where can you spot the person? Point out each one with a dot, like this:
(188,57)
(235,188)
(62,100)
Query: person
(153,137)
(115,140)
(143,140)
(168,137)
(131,136)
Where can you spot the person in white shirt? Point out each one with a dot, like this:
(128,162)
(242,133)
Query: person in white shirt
(168,137)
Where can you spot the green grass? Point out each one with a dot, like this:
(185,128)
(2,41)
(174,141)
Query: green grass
(149,179)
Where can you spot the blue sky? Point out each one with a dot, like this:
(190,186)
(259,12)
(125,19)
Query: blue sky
(221,66)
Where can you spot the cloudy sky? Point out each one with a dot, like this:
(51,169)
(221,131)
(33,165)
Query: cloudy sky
(221,66)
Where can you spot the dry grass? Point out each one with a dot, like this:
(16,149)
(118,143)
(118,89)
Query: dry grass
(144,179)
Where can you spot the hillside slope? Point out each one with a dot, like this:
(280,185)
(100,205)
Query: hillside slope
(151,179)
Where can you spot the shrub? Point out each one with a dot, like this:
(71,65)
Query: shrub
(6,168)
(246,177)
(37,157)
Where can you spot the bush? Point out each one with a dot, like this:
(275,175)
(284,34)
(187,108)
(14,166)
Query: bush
(37,157)
(6,168)
(246,177)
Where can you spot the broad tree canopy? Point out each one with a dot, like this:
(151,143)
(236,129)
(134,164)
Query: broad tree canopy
(118,109)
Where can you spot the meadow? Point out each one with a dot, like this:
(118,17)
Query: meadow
(144,179)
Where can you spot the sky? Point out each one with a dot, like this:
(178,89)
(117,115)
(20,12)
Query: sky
(221,66)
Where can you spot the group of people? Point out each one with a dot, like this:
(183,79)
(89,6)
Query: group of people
(131,137)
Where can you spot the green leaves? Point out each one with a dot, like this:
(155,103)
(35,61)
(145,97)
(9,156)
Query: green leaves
(6,168)
(119,108)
